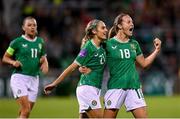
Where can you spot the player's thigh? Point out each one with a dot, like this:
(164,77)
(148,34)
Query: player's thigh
(23,102)
(110,113)
(95,113)
(140,112)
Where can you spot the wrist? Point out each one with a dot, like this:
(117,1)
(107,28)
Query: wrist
(12,63)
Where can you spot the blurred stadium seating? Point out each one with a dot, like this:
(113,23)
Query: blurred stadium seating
(61,23)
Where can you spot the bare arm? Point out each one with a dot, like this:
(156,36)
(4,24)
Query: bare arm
(7,58)
(44,64)
(61,77)
(145,62)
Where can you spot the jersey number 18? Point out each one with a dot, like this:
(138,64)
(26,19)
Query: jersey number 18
(125,53)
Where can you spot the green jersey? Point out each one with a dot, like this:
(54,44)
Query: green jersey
(28,52)
(121,63)
(93,58)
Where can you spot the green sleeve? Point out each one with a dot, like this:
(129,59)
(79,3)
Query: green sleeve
(12,47)
(84,56)
(138,49)
(43,51)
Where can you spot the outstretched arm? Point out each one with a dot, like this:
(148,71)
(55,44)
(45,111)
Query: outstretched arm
(145,62)
(61,77)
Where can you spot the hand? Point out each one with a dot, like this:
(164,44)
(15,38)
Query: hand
(84,70)
(16,63)
(48,89)
(157,44)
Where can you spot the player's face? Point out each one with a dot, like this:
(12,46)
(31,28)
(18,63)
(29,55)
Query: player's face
(127,25)
(101,31)
(30,27)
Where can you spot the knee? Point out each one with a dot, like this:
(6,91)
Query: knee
(25,110)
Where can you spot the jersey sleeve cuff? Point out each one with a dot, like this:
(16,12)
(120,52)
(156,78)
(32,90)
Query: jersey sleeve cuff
(75,61)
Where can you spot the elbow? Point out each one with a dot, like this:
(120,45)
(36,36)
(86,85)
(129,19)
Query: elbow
(3,59)
(144,65)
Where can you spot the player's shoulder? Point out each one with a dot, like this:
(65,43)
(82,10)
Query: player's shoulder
(16,40)
(88,44)
(110,40)
(40,39)
(133,40)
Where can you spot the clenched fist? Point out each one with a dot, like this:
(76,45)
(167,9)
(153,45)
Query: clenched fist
(157,44)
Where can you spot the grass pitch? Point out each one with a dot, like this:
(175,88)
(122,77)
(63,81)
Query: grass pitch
(67,107)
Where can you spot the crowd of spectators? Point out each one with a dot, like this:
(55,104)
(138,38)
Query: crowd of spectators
(61,23)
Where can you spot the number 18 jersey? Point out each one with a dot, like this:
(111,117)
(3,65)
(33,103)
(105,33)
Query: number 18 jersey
(121,58)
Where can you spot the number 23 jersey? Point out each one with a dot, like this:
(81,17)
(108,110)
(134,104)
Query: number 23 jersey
(95,59)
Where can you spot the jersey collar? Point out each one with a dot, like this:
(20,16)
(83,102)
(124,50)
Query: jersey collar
(94,44)
(30,40)
(119,40)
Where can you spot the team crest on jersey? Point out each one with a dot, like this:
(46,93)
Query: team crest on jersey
(133,46)
(83,53)
(109,102)
(19,91)
(40,46)
(94,102)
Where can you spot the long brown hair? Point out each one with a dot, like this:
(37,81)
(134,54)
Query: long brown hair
(88,31)
(114,29)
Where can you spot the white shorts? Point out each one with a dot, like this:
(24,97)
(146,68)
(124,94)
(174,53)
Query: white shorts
(88,98)
(132,99)
(24,85)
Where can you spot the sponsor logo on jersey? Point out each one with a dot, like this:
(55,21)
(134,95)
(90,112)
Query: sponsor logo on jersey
(24,45)
(94,102)
(83,53)
(114,47)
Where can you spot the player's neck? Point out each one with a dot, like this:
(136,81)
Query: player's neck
(122,37)
(96,42)
(31,37)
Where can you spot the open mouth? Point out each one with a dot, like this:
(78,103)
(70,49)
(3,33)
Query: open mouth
(131,29)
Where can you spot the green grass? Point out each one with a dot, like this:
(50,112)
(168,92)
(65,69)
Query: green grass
(67,107)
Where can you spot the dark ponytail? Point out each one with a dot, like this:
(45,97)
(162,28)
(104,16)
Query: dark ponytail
(111,33)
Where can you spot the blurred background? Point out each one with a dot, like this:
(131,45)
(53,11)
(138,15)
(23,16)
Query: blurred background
(62,22)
